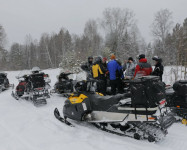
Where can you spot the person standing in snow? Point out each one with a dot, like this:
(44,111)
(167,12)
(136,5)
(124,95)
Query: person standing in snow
(115,74)
(129,67)
(159,68)
(142,68)
(87,67)
(104,63)
(98,72)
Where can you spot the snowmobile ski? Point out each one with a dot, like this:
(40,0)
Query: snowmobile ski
(61,119)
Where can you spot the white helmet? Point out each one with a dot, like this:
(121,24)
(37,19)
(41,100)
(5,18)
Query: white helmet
(35,69)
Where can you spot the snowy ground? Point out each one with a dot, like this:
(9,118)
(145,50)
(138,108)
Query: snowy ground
(25,127)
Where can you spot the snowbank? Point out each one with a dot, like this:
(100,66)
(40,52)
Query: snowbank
(25,127)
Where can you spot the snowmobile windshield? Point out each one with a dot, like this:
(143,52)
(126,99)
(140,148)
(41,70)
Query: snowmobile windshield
(23,73)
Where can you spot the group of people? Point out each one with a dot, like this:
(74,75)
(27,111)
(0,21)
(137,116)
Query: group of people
(114,71)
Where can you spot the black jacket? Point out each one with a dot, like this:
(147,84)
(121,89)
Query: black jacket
(158,70)
(87,67)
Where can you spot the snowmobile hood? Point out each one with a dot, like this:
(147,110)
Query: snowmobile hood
(143,60)
(2,72)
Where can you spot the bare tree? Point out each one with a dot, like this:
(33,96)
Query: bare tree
(116,22)
(95,40)
(162,24)
(2,36)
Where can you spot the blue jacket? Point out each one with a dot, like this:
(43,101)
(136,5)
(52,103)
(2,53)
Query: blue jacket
(114,68)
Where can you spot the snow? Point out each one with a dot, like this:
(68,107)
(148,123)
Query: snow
(26,127)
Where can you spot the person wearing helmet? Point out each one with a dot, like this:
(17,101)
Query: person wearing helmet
(87,67)
(98,72)
(35,70)
(142,68)
(159,68)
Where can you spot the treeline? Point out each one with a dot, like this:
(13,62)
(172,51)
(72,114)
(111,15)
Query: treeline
(115,32)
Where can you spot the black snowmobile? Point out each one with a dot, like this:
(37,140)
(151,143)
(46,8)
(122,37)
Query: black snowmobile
(139,114)
(32,87)
(177,100)
(4,82)
(64,85)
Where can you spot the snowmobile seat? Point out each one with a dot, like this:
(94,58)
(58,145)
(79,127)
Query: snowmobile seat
(103,103)
(37,80)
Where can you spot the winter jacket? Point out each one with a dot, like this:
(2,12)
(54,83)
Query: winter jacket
(115,70)
(98,71)
(158,70)
(129,68)
(87,67)
(143,68)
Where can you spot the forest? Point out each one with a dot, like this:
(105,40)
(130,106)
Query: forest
(116,31)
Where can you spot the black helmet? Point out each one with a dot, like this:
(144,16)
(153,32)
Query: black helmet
(156,58)
(81,86)
(90,57)
(141,56)
(98,59)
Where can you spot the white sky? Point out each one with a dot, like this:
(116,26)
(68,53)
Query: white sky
(22,17)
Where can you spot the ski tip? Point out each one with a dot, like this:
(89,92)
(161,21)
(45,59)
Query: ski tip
(56,113)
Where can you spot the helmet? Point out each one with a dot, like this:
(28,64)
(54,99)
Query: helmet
(156,58)
(90,61)
(98,59)
(35,70)
(81,86)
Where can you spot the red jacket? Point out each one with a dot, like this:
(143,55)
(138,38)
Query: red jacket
(143,68)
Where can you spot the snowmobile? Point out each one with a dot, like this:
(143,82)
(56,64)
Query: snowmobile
(32,87)
(64,85)
(140,114)
(177,100)
(4,82)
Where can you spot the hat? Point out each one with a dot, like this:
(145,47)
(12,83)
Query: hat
(104,58)
(156,58)
(130,58)
(141,56)
(112,56)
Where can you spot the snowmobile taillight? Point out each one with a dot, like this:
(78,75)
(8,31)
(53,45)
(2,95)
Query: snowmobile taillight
(22,83)
(162,102)
(39,88)
(151,118)
(46,75)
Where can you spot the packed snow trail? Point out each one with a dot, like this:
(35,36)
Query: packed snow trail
(26,127)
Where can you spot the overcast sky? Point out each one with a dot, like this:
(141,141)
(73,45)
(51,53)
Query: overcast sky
(22,17)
